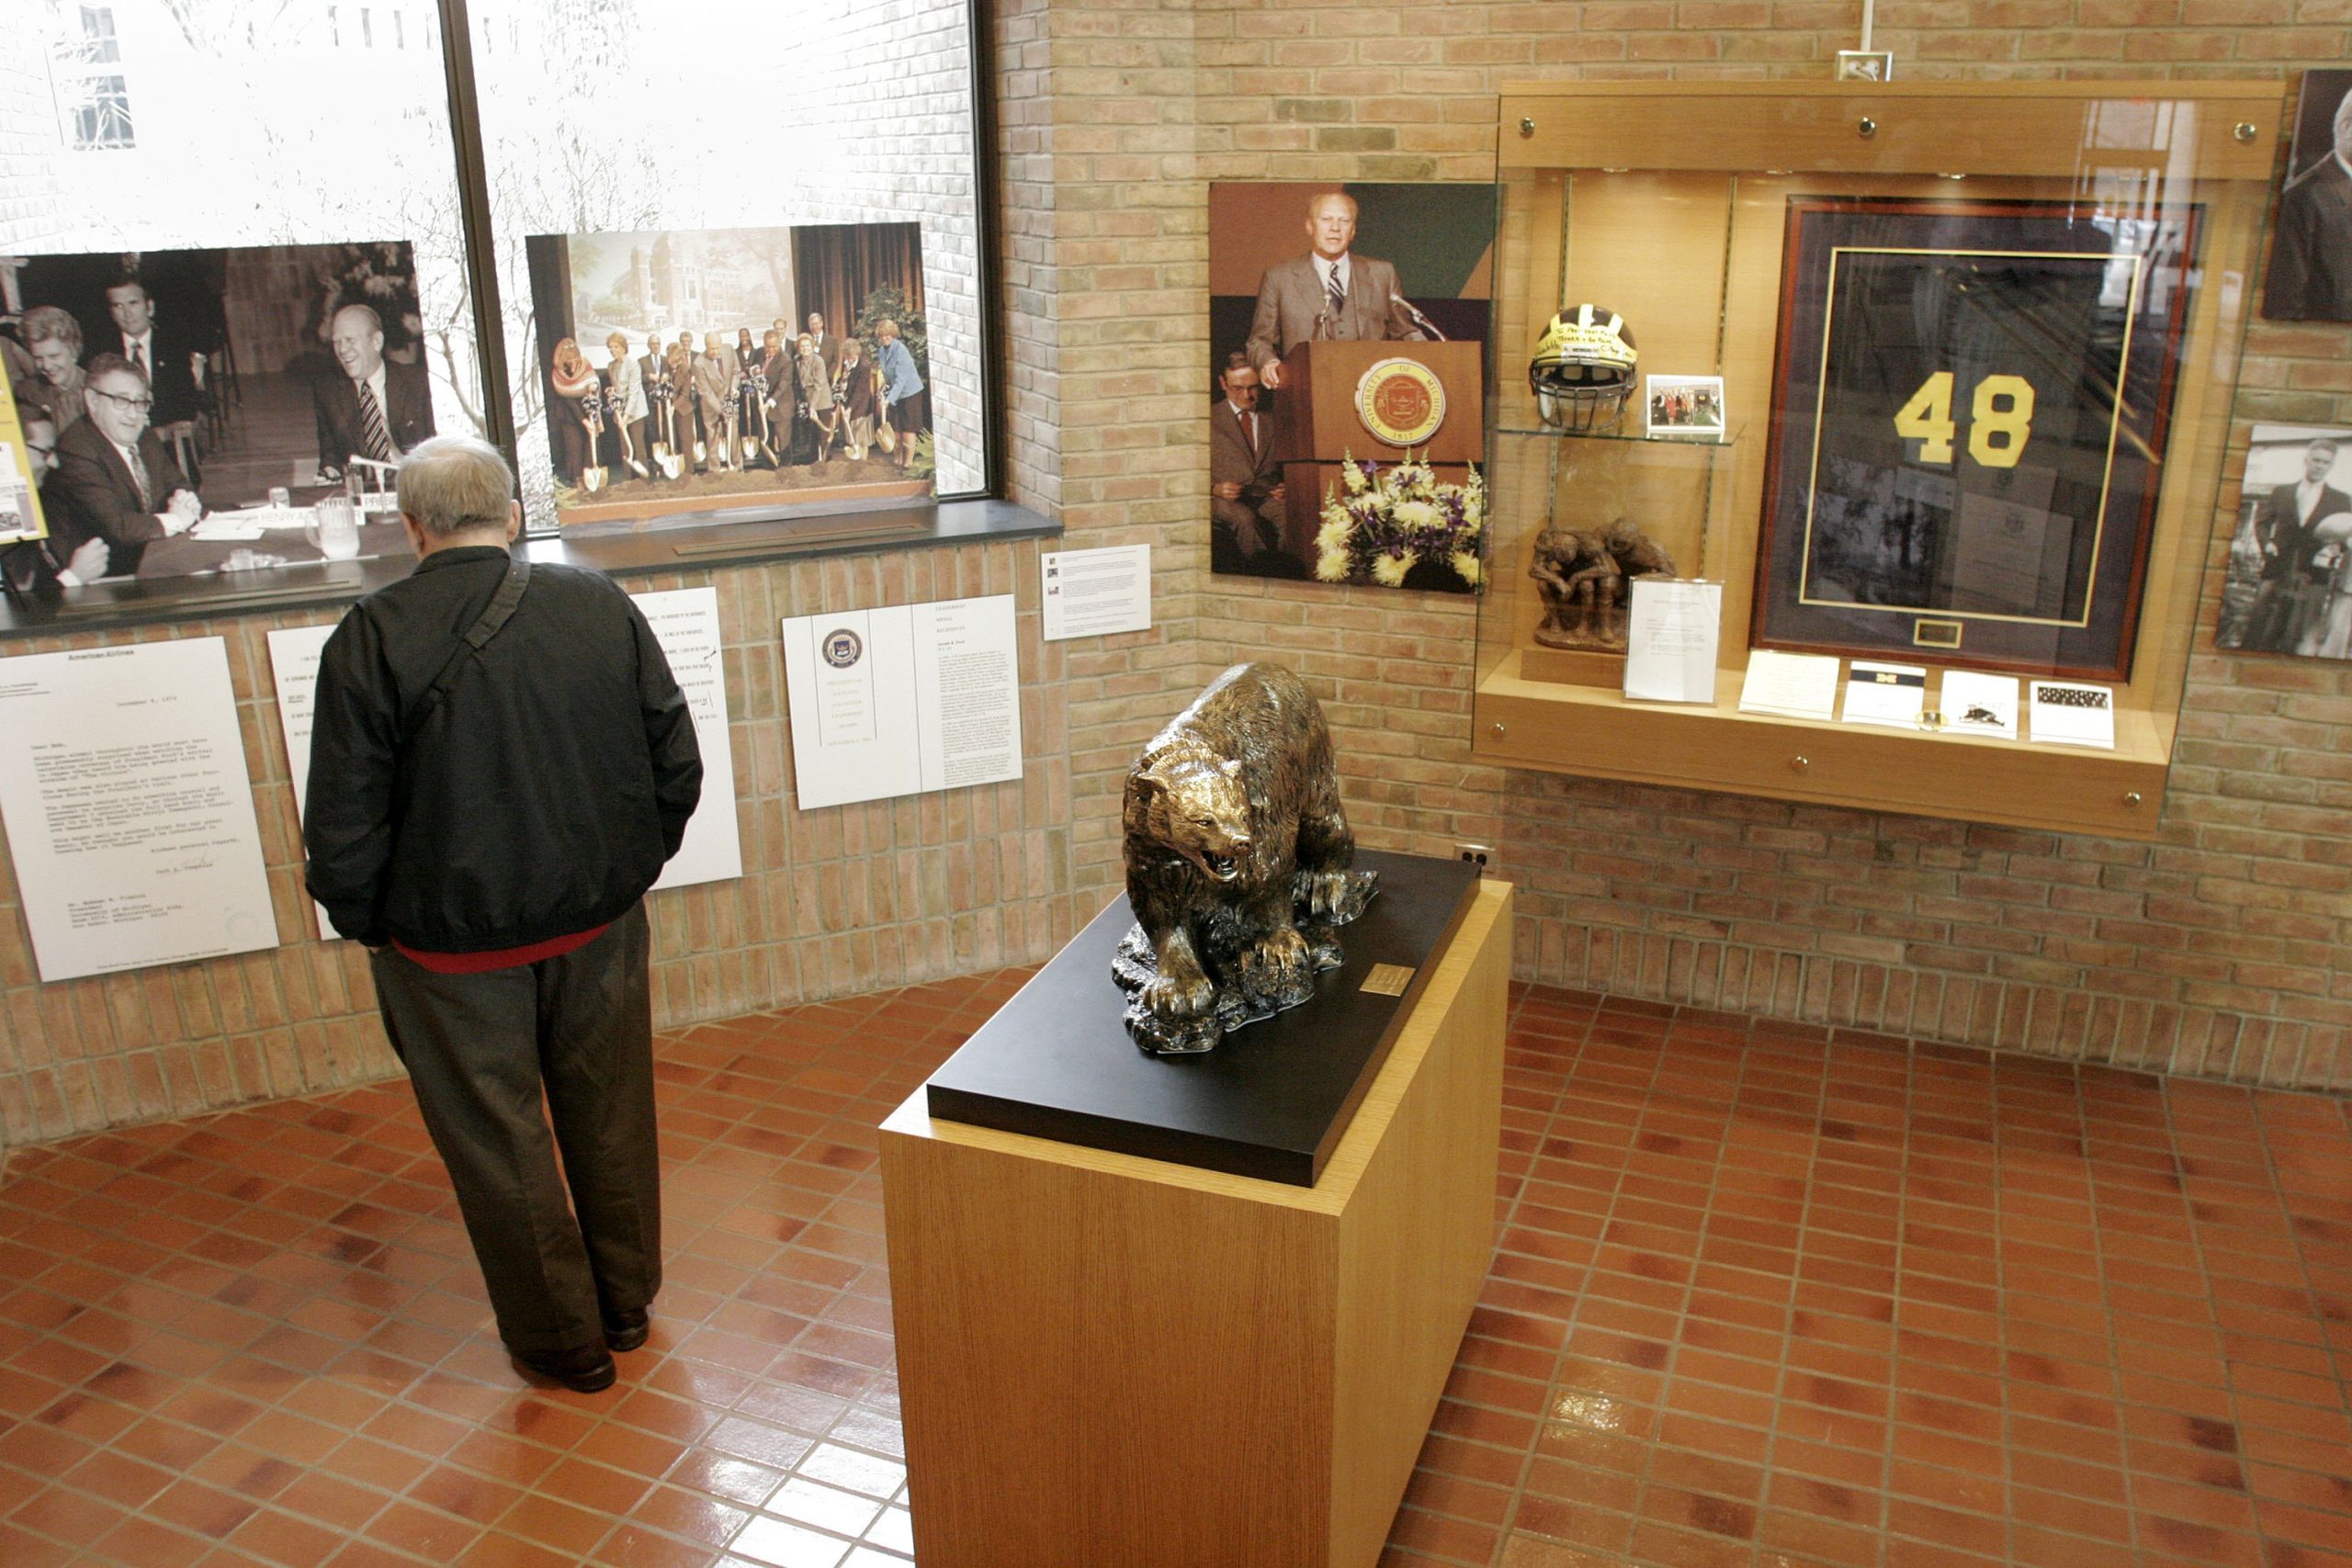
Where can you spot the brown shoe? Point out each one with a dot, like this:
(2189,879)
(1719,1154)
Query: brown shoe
(585,1369)
(626,1330)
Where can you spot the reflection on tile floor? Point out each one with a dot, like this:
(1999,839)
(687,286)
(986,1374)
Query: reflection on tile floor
(1765,1296)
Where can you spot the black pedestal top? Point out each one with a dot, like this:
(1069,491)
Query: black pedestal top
(1269,1101)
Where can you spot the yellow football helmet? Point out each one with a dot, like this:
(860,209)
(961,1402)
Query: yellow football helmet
(1583,370)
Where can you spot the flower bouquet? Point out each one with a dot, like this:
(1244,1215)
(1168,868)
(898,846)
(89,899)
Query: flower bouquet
(1381,523)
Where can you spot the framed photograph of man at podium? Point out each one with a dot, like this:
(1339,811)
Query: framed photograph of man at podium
(1348,363)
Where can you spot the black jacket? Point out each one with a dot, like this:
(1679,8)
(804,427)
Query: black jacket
(539,798)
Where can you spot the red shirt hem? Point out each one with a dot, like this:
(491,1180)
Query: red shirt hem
(499,958)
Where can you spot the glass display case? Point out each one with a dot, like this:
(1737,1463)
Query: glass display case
(1935,376)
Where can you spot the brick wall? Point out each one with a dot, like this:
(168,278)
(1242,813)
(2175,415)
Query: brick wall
(832,902)
(2217,949)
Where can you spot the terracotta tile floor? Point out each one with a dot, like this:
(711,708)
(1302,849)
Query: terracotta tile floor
(1765,1296)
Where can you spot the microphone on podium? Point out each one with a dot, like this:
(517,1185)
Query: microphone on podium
(1418,320)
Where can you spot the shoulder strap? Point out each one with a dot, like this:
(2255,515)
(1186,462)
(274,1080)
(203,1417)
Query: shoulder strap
(493,619)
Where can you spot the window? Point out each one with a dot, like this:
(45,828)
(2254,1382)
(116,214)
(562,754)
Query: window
(838,178)
(102,115)
(98,47)
(94,103)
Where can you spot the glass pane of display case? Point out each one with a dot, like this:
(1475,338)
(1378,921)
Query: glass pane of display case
(1932,376)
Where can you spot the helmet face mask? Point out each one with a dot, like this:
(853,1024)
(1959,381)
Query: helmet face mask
(1582,372)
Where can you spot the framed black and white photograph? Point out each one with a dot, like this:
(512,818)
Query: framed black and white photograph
(2289,584)
(2311,252)
(192,412)
(1971,405)
(1684,407)
(717,374)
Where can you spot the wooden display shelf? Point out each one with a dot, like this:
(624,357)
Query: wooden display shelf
(1541,724)
(1105,1358)
(1667,202)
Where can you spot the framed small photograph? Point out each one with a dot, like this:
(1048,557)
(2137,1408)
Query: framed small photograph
(1686,407)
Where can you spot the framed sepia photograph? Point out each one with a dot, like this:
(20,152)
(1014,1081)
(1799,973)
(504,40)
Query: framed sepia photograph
(2311,251)
(1348,328)
(2288,588)
(718,374)
(194,412)
(1971,402)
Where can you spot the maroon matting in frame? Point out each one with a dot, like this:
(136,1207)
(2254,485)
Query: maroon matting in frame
(1970,404)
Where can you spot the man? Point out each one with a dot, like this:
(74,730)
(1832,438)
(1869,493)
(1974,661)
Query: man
(1246,493)
(1330,292)
(2299,545)
(500,764)
(377,408)
(653,372)
(829,347)
(780,397)
(41,443)
(34,566)
(2311,263)
(716,373)
(901,387)
(115,481)
(172,366)
(54,340)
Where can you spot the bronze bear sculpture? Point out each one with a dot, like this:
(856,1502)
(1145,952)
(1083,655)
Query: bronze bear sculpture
(1238,857)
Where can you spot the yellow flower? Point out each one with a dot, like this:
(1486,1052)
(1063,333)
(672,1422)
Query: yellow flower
(1389,571)
(1466,563)
(1331,565)
(1415,513)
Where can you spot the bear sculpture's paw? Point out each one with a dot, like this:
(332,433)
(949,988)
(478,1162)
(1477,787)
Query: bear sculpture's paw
(1322,939)
(1136,968)
(1278,970)
(1179,996)
(1336,896)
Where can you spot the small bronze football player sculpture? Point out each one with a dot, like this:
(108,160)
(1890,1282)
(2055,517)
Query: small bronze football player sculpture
(1591,574)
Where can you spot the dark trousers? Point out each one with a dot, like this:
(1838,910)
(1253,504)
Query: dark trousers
(480,1050)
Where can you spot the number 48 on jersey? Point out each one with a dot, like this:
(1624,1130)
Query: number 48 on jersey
(2000,420)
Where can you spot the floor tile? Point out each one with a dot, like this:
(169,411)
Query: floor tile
(1763,1294)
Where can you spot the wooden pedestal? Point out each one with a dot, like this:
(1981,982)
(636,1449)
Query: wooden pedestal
(1106,1359)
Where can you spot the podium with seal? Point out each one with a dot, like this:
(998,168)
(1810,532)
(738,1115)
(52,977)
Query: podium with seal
(1378,401)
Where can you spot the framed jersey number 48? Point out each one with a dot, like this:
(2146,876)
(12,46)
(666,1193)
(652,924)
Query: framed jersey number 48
(1969,414)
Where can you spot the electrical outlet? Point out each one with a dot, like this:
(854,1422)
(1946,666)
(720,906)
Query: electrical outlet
(1480,855)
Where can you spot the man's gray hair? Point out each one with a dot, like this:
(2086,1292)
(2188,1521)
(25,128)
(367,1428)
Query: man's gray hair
(452,483)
